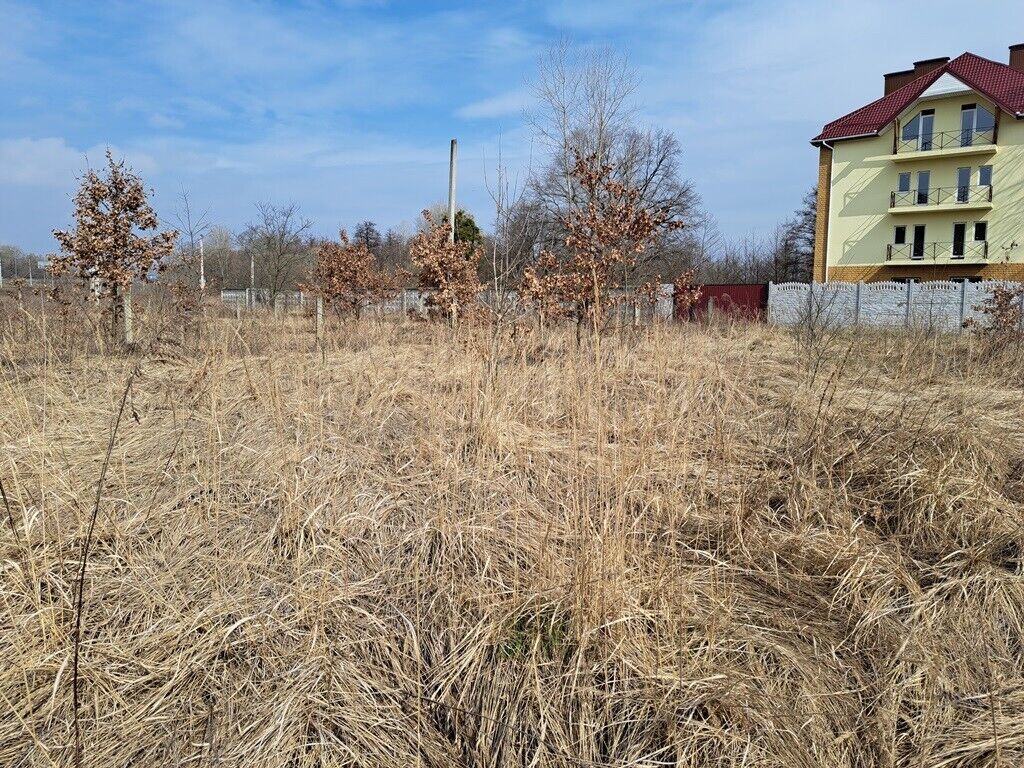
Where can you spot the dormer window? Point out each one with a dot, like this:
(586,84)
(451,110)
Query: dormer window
(976,122)
(919,130)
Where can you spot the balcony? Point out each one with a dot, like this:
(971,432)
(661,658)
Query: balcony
(945,144)
(941,199)
(969,252)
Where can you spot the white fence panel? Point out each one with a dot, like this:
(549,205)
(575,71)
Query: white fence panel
(939,305)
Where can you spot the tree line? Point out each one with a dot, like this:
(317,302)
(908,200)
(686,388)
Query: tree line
(607,206)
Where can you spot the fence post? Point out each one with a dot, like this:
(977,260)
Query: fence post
(856,303)
(711,309)
(277,306)
(963,304)
(910,300)
(126,309)
(319,318)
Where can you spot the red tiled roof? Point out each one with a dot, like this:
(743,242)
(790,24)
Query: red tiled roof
(1000,83)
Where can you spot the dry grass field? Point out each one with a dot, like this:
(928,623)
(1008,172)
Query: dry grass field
(698,547)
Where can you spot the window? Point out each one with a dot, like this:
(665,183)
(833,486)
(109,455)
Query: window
(900,235)
(918,250)
(904,183)
(917,133)
(965,279)
(980,231)
(975,120)
(959,236)
(985,176)
(963,185)
(927,121)
(912,128)
(923,182)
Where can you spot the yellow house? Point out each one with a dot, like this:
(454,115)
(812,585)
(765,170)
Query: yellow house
(928,181)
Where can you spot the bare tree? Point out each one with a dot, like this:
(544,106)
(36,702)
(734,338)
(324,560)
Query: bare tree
(193,227)
(15,264)
(277,246)
(394,250)
(366,232)
(512,248)
(587,110)
(796,258)
(226,267)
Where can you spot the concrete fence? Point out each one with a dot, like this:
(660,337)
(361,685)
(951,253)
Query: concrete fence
(939,305)
(414,300)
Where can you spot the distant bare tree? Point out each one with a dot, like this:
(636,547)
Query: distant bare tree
(15,264)
(796,257)
(277,246)
(193,226)
(366,232)
(394,250)
(226,267)
(512,248)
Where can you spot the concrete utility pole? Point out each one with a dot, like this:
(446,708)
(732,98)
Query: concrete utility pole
(451,191)
(252,279)
(202,267)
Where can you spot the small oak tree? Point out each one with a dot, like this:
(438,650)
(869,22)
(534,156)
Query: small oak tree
(1001,318)
(605,235)
(347,276)
(449,269)
(108,246)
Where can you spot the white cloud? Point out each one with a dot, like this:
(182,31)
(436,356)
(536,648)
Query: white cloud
(52,162)
(504,104)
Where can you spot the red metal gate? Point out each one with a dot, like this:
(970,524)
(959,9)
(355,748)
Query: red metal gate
(736,300)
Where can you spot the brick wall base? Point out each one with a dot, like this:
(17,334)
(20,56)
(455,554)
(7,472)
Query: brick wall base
(876,273)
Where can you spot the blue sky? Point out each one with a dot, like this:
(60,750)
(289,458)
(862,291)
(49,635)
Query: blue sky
(345,107)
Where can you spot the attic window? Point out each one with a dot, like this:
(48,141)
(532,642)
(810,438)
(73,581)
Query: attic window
(918,131)
(976,122)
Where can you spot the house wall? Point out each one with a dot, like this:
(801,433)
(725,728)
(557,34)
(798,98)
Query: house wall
(864,173)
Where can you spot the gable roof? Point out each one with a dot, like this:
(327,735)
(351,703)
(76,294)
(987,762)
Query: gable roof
(1001,84)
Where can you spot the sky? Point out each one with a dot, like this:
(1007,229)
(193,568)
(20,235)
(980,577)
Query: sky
(346,107)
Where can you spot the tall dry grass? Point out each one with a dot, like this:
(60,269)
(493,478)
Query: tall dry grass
(699,547)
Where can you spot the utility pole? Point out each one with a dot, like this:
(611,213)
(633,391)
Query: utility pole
(451,191)
(202,267)
(252,278)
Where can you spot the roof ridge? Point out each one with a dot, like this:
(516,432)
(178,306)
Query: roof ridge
(998,82)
